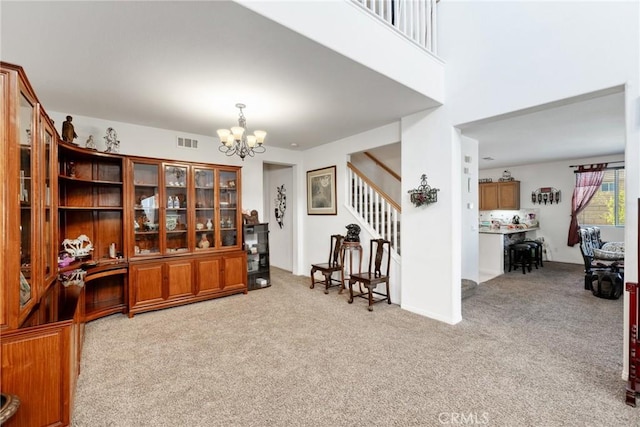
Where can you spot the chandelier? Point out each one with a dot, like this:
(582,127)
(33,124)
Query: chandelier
(236,141)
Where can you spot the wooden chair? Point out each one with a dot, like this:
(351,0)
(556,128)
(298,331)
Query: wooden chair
(375,274)
(327,269)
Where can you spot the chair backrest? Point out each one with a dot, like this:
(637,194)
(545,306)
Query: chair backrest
(376,255)
(334,251)
(589,240)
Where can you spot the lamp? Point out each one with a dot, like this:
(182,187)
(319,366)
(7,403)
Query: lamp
(236,141)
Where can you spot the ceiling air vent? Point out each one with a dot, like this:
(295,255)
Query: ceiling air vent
(187,142)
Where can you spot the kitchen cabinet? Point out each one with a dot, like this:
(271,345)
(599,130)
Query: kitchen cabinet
(499,195)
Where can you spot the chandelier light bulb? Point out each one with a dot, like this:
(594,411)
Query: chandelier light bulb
(260,136)
(251,141)
(223,134)
(237,132)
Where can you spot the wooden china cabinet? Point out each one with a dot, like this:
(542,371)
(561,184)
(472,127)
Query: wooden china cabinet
(163,233)
(183,240)
(90,203)
(40,320)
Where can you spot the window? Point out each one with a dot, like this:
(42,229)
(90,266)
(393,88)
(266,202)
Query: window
(607,206)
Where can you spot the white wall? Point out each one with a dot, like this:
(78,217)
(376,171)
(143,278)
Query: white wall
(360,36)
(508,56)
(554,218)
(280,239)
(431,235)
(317,229)
(469,189)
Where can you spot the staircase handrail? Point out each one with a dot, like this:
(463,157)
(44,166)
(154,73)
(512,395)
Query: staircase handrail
(386,168)
(377,189)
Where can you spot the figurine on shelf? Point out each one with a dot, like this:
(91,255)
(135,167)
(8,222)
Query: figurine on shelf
(111,141)
(251,218)
(353,233)
(204,242)
(68,132)
(209,224)
(90,144)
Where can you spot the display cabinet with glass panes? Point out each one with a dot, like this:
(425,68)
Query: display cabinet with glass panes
(176,218)
(205,214)
(183,233)
(37,314)
(228,215)
(146,209)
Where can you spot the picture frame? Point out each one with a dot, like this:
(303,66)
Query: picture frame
(321,191)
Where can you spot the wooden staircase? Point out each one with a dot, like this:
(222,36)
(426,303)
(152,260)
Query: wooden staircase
(374,208)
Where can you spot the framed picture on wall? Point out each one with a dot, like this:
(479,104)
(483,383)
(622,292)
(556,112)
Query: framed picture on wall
(321,191)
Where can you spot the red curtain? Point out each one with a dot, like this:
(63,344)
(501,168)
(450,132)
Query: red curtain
(588,181)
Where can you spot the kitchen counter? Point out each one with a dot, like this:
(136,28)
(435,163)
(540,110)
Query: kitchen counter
(492,249)
(506,230)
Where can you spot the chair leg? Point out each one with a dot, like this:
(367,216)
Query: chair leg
(327,282)
(313,282)
(370,289)
(350,292)
(388,294)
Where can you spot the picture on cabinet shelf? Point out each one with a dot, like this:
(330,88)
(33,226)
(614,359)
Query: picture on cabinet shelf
(111,141)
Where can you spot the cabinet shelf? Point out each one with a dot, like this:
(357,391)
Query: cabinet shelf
(90,208)
(146,185)
(89,181)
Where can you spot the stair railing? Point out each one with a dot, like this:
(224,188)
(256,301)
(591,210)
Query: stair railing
(373,206)
(416,19)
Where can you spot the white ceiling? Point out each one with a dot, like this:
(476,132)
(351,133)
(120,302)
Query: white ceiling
(589,125)
(184,65)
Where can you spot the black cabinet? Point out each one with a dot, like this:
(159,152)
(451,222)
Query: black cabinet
(256,243)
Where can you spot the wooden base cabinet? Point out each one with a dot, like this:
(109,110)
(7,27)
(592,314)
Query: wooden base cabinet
(162,283)
(41,360)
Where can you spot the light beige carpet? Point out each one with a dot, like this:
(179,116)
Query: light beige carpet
(532,350)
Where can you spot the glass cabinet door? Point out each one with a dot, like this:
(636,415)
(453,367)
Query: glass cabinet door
(146,209)
(205,202)
(228,202)
(49,251)
(176,217)
(26,199)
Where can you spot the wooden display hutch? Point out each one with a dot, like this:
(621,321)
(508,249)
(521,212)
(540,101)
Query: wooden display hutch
(499,195)
(182,227)
(149,253)
(40,320)
(90,190)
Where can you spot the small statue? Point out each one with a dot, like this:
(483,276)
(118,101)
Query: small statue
(204,242)
(111,141)
(68,132)
(251,218)
(353,233)
(90,144)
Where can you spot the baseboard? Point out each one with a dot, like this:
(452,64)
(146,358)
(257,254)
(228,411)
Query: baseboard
(426,313)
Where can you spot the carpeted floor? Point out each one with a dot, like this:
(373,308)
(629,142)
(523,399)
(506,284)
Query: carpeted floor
(532,350)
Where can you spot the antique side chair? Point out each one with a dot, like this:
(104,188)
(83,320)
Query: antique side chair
(377,273)
(332,266)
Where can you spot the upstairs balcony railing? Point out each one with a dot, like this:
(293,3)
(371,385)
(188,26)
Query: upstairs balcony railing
(416,19)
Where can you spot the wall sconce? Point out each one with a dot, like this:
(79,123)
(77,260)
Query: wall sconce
(424,194)
(545,195)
